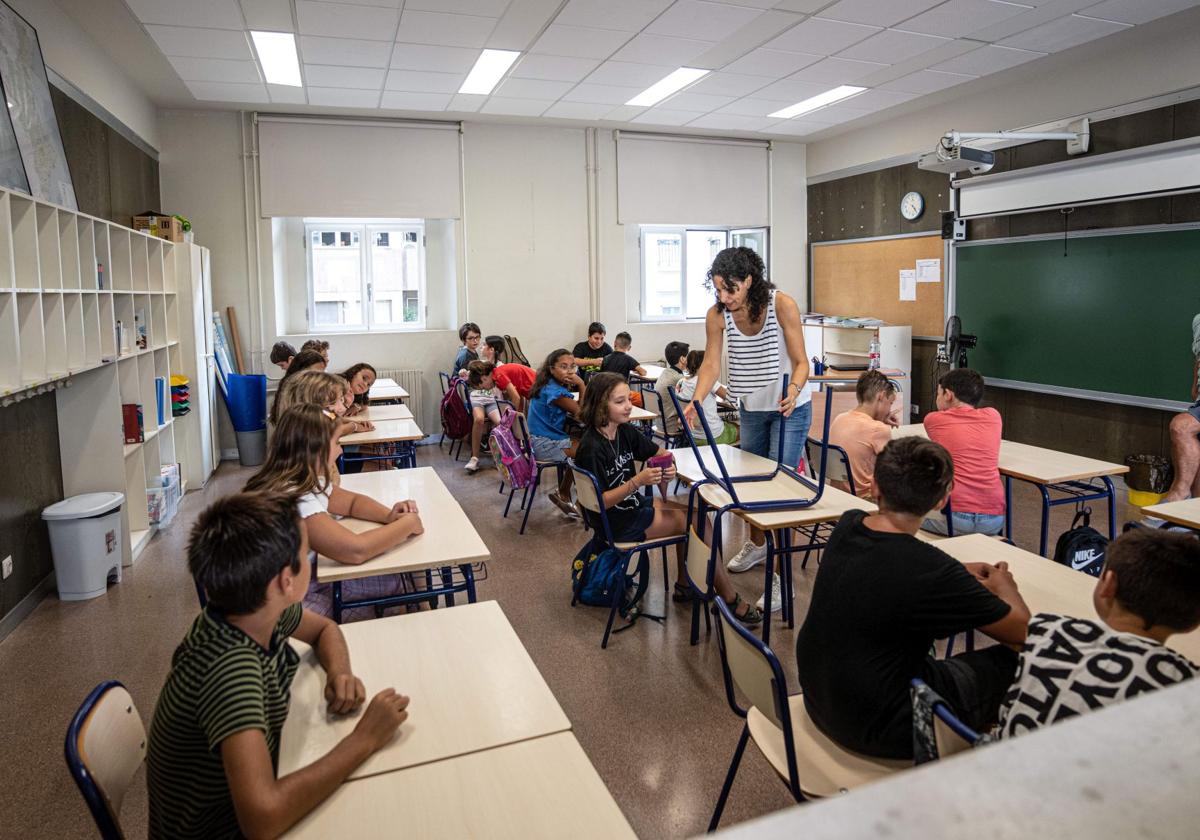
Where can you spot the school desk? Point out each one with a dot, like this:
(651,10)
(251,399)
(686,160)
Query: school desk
(389,392)
(1045,585)
(471,682)
(1185,513)
(375,413)
(449,541)
(403,432)
(385,382)
(651,375)
(1049,470)
(539,789)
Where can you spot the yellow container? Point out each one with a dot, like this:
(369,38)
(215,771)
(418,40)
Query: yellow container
(1144,498)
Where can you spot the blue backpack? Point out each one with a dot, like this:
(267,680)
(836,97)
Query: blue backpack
(595,576)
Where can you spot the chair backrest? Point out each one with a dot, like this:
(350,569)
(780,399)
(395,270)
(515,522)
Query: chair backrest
(106,744)
(444,378)
(591,498)
(837,468)
(752,668)
(698,562)
(521,432)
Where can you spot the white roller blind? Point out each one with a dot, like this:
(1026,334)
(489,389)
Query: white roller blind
(311,167)
(1134,173)
(670,180)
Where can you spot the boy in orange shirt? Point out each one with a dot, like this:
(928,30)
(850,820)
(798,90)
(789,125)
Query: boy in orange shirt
(865,430)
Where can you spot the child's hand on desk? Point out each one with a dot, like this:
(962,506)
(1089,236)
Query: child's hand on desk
(344,692)
(386,711)
(401,508)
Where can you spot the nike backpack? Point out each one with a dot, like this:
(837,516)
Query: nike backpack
(1082,547)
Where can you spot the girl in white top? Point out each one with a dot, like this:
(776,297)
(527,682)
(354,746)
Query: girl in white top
(302,462)
(686,388)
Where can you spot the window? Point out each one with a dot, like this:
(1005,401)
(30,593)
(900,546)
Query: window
(365,274)
(675,262)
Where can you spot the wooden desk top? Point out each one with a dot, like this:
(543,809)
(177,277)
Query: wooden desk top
(642,414)
(851,376)
(832,505)
(386,392)
(1034,463)
(1185,513)
(375,413)
(449,539)
(1045,585)
(652,372)
(385,382)
(386,431)
(472,684)
(541,788)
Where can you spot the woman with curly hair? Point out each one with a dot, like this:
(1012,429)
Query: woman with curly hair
(766,342)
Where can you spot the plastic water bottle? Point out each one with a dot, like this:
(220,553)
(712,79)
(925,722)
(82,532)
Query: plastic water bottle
(873,354)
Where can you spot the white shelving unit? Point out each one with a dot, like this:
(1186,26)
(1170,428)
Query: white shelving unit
(842,344)
(189,349)
(58,319)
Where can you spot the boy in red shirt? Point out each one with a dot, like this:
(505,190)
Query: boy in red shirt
(972,436)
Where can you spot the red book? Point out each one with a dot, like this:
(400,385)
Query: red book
(131,415)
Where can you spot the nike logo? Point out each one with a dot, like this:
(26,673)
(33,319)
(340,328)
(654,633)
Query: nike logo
(1085,558)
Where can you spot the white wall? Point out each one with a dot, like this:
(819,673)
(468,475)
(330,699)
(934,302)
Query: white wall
(1148,61)
(71,52)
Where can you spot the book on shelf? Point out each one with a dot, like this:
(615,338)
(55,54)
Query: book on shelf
(131,417)
(141,339)
(160,398)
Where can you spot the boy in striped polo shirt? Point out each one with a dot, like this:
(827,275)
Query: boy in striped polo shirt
(214,740)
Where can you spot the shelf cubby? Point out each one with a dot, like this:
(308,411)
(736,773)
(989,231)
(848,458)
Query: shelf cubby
(145,366)
(158,321)
(123,314)
(170,283)
(76,330)
(103,260)
(55,331)
(162,368)
(31,336)
(135,495)
(93,353)
(68,250)
(154,253)
(172,317)
(24,243)
(139,262)
(10,348)
(6,258)
(119,254)
(108,339)
(49,261)
(141,321)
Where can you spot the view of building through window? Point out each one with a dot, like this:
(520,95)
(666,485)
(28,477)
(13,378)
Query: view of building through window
(365,276)
(675,263)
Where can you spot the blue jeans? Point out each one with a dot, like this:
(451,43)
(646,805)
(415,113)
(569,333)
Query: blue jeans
(966,523)
(760,433)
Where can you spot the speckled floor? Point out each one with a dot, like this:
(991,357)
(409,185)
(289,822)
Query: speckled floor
(650,711)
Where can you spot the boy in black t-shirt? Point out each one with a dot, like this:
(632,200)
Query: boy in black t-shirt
(619,361)
(590,354)
(882,597)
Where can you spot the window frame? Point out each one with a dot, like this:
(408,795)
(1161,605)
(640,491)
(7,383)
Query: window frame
(682,230)
(366,229)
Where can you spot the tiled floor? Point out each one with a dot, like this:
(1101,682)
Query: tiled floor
(650,711)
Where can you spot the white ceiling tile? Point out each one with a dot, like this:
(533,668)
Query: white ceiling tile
(418,27)
(773,63)
(962,17)
(628,74)
(515,107)
(228,92)
(555,68)
(806,7)
(666,116)
(405,101)
(839,112)
(754,107)
(623,15)
(287,95)
(926,81)
(821,37)
(1064,33)
(521,23)
(343,98)
(485,8)
(215,70)
(385,4)
(729,84)
(350,52)
(877,100)
(214,14)
(579,41)
(269,15)
(577,110)
(201,43)
(756,4)
(662,49)
(731,122)
(791,90)
(533,89)
(988,59)
(466,102)
(325,75)
(893,46)
(701,20)
(877,12)
(1137,11)
(700,102)
(796,127)
(339,21)
(836,71)
(434,59)
(601,94)
(624,113)
(418,81)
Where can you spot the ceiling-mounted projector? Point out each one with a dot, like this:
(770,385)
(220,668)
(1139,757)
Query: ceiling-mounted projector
(952,159)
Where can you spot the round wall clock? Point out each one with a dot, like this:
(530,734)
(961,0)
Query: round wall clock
(912,205)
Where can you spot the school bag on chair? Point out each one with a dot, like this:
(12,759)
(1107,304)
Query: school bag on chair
(515,465)
(456,422)
(512,349)
(1082,547)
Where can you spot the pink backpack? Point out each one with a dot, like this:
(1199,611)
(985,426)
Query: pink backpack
(515,465)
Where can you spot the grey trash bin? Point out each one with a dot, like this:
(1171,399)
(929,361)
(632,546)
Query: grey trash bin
(252,447)
(85,539)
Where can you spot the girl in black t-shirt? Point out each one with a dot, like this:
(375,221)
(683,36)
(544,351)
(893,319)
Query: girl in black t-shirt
(609,450)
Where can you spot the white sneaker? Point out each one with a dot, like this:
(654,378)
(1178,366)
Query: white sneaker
(746,559)
(472,465)
(776,595)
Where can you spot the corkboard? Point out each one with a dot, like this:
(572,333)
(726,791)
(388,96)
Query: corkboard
(863,279)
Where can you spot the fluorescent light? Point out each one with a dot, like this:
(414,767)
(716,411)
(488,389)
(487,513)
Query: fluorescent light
(660,90)
(489,68)
(818,101)
(277,55)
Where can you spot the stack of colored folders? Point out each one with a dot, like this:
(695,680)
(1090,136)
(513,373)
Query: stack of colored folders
(179,396)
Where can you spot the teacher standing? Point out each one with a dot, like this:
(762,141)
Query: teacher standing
(765,343)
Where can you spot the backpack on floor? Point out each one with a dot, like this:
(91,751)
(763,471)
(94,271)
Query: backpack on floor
(456,421)
(512,349)
(597,572)
(1082,547)
(515,465)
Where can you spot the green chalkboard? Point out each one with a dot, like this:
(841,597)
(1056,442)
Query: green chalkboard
(1113,315)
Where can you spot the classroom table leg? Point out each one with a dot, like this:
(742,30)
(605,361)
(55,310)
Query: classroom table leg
(337,602)
(1008,519)
(1045,519)
(469,577)
(1112,507)
(785,561)
(447,575)
(770,567)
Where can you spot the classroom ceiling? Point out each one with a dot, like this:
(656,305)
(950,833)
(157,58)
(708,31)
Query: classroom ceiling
(581,60)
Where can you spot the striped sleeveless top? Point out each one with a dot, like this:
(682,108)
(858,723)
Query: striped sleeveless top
(757,363)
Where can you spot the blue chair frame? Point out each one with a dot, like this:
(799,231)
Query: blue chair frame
(97,805)
(942,712)
(530,492)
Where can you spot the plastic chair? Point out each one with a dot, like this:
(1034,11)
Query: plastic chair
(808,762)
(521,432)
(105,746)
(937,731)
(591,498)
